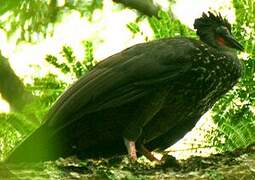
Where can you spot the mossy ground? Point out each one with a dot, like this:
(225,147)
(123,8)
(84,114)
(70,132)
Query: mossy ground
(239,164)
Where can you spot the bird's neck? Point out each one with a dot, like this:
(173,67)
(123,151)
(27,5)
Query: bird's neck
(210,41)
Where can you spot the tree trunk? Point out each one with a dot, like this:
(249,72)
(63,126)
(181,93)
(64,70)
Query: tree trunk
(11,87)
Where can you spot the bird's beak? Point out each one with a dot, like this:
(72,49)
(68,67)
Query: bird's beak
(233,43)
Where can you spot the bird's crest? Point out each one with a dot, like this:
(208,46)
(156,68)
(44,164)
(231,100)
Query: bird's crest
(211,20)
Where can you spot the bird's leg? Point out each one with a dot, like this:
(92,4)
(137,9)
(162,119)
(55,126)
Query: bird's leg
(148,154)
(131,148)
(130,137)
(133,131)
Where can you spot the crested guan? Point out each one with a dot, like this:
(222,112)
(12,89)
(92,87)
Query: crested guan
(144,98)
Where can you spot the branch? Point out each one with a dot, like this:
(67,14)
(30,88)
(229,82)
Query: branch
(146,7)
(11,87)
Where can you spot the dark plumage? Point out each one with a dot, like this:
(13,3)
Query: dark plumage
(151,94)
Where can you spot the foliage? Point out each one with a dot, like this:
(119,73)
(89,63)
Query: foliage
(133,27)
(69,65)
(84,7)
(89,61)
(13,128)
(166,26)
(49,87)
(33,20)
(163,26)
(16,126)
(234,113)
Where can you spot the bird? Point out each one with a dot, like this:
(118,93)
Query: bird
(144,98)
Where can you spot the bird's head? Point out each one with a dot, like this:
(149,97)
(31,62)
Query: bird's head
(216,32)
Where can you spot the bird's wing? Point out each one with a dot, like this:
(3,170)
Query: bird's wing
(119,79)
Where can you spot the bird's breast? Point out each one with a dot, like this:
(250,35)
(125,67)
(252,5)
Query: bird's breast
(212,74)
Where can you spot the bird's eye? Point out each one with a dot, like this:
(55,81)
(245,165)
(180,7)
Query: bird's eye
(222,30)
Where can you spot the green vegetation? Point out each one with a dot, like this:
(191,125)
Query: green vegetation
(34,20)
(14,127)
(234,113)
(166,26)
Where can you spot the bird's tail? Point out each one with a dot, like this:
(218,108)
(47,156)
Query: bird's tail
(35,148)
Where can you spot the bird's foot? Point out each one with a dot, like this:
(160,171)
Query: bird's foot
(149,155)
(132,152)
(131,149)
(166,161)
